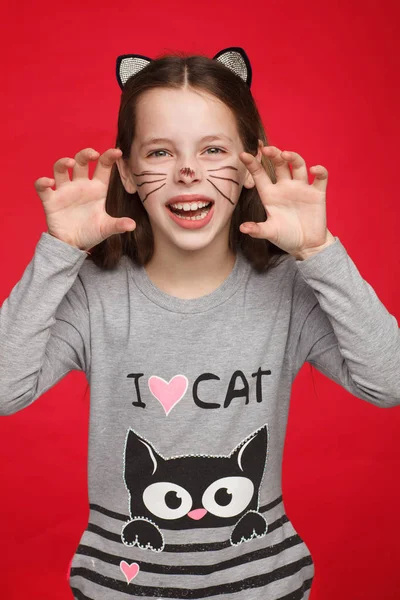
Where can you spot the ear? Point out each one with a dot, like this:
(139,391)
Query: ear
(139,453)
(251,454)
(248,180)
(126,175)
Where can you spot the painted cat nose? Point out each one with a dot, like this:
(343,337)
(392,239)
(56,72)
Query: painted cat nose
(187,171)
(197,514)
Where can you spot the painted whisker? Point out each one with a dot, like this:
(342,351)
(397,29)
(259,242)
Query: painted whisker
(219,169)
(220,191)
(225,178)
(143,174)
(148,173)
(155,181)
(143,201)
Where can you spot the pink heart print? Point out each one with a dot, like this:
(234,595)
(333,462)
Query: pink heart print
(168,393)
(130,571)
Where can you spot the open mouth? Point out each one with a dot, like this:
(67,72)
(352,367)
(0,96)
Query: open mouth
(192,215)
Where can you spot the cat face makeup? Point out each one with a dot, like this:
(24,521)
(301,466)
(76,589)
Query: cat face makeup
(186,149)
(187,171)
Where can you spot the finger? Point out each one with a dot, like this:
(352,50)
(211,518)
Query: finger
(281,166)
(299,167)
(115,225)
(248,227)
(81,166)
(105,163)
(256,168)
(60,169)
(43,187)
(256,230)
(321,177)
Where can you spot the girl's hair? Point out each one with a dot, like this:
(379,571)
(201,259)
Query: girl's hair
(202,74)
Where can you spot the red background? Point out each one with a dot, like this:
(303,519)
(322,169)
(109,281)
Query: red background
(325,77)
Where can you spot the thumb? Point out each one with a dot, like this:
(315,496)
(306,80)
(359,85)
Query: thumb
(120,225)
(257,230)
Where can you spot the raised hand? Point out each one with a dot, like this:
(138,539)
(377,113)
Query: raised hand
(75,210)
(295,209)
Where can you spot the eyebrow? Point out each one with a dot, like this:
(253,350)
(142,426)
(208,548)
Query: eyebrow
(207,138)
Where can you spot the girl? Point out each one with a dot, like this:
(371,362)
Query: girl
(212,278)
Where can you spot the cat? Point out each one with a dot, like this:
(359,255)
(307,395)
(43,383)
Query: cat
(193,491)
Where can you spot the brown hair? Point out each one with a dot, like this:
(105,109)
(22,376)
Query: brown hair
(201,74)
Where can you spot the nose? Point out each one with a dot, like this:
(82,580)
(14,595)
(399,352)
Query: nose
(188,174)
(197,513)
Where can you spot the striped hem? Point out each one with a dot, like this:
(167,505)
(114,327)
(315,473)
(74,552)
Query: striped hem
(279,560)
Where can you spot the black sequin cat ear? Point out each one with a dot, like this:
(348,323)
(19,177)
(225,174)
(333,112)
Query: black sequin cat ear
(128,65)
(236,60)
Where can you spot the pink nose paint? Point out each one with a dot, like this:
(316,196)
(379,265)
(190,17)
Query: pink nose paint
(197,514)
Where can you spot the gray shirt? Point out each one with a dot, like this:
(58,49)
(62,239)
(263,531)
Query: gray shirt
(189,401)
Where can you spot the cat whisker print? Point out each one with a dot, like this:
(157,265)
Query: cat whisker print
(225,178)
(146,182)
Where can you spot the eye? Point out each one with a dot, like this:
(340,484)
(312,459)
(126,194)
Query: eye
(228,496)
(155,151)
(214,148)
(167,500)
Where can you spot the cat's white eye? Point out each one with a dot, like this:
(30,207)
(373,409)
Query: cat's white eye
(167,500)
(228,496)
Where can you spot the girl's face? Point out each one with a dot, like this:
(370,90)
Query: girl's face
(186,144)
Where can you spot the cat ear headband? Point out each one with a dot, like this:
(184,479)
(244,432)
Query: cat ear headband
(234,58)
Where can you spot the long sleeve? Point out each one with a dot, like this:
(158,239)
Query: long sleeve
(44,325)
(346,333)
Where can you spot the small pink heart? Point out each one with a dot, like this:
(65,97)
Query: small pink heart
(130,571)
(168,393)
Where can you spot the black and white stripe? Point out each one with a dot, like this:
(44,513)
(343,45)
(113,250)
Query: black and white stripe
(278,564)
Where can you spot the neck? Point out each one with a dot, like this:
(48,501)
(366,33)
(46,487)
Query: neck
(190,273)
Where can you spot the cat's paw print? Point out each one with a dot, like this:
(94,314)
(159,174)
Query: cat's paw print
(251,525)
(143,533)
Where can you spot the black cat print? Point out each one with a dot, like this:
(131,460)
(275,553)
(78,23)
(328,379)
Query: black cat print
(185,492)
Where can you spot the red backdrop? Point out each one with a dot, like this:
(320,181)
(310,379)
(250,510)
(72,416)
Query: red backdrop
(326,82)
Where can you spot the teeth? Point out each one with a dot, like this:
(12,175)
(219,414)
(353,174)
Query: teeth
(196,218)
(190,205)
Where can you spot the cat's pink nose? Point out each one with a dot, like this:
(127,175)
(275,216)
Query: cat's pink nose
(197,514)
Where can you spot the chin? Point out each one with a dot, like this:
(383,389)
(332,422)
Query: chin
(192,240)
(192,245)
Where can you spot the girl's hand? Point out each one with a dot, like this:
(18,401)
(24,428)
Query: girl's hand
(296,210)
(75,210)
